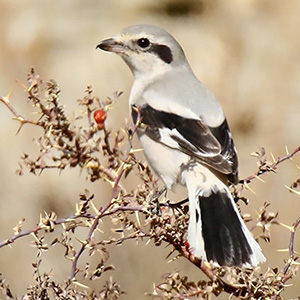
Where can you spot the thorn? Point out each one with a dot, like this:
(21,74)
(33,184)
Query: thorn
(173,259)
(80,284)
(95,209)
(21,84)
(288,285)
(138,219)
(9,95)
(136,150)
(82,242)
(99,230)
(154,290)
(34,235)
(41,219)
(123,165)
(22,122)
(291,228)
(111,182)
(49,131)
(292,190)
(273,157)
(89,164)
(260,179)
(171,252)
(248,187)
(287,150)
(283,250)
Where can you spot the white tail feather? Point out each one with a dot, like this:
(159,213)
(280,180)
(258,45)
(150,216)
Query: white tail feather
(250,253)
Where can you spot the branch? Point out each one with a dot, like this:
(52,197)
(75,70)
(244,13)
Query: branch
(60,221)
(269,168)
(201,264)
(291,261)
(41,226)
(18,117)
(77,147)
(103,211)
(292,239)
(85,243)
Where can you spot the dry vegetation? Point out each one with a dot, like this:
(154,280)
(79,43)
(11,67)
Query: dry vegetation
(246,52)
(141,214)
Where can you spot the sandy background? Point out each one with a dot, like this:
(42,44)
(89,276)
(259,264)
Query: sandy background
(247,52)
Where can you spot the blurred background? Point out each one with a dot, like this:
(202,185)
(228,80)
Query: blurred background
(247,52)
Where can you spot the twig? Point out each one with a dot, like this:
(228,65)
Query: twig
(198,263)
(129,148)
(60,221)
(39,227)
(103,211)
(20,235)
(270,168)
(18,117)
(113,207)
(291,251)
(292,239)
(100,215)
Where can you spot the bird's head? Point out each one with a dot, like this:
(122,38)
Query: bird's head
(147,49)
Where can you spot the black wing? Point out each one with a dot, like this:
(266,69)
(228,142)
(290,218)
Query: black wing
(211,145)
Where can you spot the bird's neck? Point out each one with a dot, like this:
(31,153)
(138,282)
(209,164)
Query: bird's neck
(144,80)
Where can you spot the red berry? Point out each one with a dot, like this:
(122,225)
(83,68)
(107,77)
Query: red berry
(100,117)
(187,245)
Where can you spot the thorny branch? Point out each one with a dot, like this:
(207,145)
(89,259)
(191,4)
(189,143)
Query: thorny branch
(292,259)
(18,117)
(103,211)
(265,166)
(101,154)
(292,239)
(50,221)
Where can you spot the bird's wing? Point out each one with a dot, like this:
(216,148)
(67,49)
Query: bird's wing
(211,145)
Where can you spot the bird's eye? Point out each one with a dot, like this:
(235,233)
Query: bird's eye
(143,42)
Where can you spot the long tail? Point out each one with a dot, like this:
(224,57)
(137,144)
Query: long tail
(216,230)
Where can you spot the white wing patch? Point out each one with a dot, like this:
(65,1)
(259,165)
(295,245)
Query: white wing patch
(170,138)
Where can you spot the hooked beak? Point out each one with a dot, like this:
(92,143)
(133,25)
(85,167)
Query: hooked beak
(111,45)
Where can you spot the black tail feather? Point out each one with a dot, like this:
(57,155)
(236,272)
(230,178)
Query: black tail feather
(224,239)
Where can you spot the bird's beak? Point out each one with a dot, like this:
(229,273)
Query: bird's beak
(111,45)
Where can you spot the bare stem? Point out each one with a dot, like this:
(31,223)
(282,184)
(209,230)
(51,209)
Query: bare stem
(286,270)
(39,227)
(18,117)
(106,210)
(270,168)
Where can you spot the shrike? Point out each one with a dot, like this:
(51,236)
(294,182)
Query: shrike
(187,141)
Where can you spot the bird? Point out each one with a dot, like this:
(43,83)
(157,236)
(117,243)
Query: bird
(187,141)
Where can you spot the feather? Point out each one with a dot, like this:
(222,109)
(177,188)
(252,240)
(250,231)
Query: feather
(210,145)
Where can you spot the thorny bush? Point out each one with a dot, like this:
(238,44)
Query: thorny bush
(143,213)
